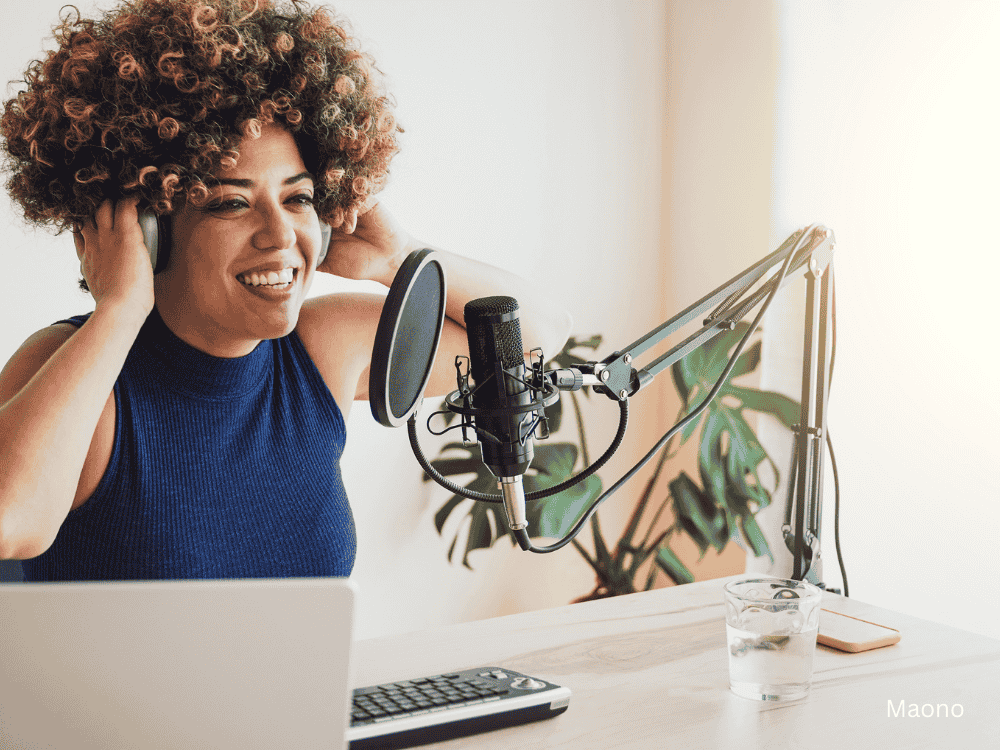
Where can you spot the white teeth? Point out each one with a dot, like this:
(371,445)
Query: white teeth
(270,278)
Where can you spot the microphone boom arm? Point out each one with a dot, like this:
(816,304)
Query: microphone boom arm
(622,376)
(618,378)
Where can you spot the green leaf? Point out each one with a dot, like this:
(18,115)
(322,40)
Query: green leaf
(783,408)
(711,464)
(554,516)
(695,511)
(744,449)
(468,461)
(553,462)
(549,517)
(670,564)
(755,537)
(558,513)
(729,452)
(691,428)
(683,389)
(747,361)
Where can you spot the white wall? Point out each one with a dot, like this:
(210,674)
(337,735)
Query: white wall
(888,124)
(533,143)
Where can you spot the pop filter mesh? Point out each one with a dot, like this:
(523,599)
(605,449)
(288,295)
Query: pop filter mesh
(413,347)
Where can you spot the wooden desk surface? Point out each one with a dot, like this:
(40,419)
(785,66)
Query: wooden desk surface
(650,670)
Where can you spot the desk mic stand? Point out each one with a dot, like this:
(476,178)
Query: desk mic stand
(809,250)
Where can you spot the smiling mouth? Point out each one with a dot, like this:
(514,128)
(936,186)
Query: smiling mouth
(276,280)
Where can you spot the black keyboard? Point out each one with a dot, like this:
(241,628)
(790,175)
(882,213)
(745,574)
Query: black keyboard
(431,709)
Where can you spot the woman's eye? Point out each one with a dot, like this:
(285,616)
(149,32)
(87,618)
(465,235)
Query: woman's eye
(237,204)
(230,204)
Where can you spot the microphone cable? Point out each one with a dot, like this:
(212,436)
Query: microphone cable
(829,440)
(411,431)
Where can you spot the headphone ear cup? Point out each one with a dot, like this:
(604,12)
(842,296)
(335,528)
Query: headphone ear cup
(149,225)
(163,252)
(156,236)
(324,244)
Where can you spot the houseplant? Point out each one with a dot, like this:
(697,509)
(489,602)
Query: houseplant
(713,511)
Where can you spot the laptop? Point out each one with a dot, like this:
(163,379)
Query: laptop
(175,664)
(255,663)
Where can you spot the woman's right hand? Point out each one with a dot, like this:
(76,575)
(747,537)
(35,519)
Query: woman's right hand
(114,260)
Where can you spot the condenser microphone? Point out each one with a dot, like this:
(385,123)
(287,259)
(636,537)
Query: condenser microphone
(496,363)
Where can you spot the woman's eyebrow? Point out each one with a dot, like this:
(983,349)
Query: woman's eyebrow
(236,182)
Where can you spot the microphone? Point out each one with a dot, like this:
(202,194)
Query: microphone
(496,363)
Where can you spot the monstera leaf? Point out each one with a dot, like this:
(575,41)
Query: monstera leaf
(730,455)
(549,517)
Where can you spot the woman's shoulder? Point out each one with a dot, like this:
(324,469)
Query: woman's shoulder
(338,331)
(349,317)
(32,355)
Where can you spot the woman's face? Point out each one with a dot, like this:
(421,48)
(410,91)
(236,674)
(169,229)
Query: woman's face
(242,263)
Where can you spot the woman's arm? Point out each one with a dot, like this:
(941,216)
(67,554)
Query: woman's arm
(544,323)
(56,387)
(375,250)
(378,244)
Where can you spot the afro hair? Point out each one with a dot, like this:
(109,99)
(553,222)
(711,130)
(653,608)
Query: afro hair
(155,97)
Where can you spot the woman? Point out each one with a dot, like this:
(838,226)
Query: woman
(192,425)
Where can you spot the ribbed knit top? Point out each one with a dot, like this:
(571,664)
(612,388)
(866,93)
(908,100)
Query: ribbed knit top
(221,468)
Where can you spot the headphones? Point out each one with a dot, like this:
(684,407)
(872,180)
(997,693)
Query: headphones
(156,235)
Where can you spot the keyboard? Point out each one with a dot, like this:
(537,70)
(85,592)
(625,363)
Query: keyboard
(456,704)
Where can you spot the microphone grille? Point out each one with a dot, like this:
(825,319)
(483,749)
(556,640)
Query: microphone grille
(489,306)
(492,338)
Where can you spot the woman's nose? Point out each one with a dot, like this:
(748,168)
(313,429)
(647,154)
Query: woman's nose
(276,230)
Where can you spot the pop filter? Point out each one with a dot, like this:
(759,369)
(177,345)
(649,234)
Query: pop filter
(409,331)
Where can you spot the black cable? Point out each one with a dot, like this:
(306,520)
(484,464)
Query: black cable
(829,441)
(411,429)
(524,541)
(836,510)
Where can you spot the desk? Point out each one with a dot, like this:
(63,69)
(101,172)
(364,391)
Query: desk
(650,670)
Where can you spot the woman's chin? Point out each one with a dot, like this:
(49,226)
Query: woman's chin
(275,326)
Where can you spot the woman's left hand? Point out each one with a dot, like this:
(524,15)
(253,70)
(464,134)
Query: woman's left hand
(373,249)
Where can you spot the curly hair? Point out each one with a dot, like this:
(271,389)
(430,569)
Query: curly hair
(155,97)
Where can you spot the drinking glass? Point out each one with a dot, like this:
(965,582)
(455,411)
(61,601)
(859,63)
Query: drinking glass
(771,626)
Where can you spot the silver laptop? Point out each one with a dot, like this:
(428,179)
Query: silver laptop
(184,665)
(179,664)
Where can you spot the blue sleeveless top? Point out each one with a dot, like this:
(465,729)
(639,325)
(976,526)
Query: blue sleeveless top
(221,468)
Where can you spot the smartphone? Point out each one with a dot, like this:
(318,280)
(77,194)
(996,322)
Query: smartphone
(850,634)
(156,235)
